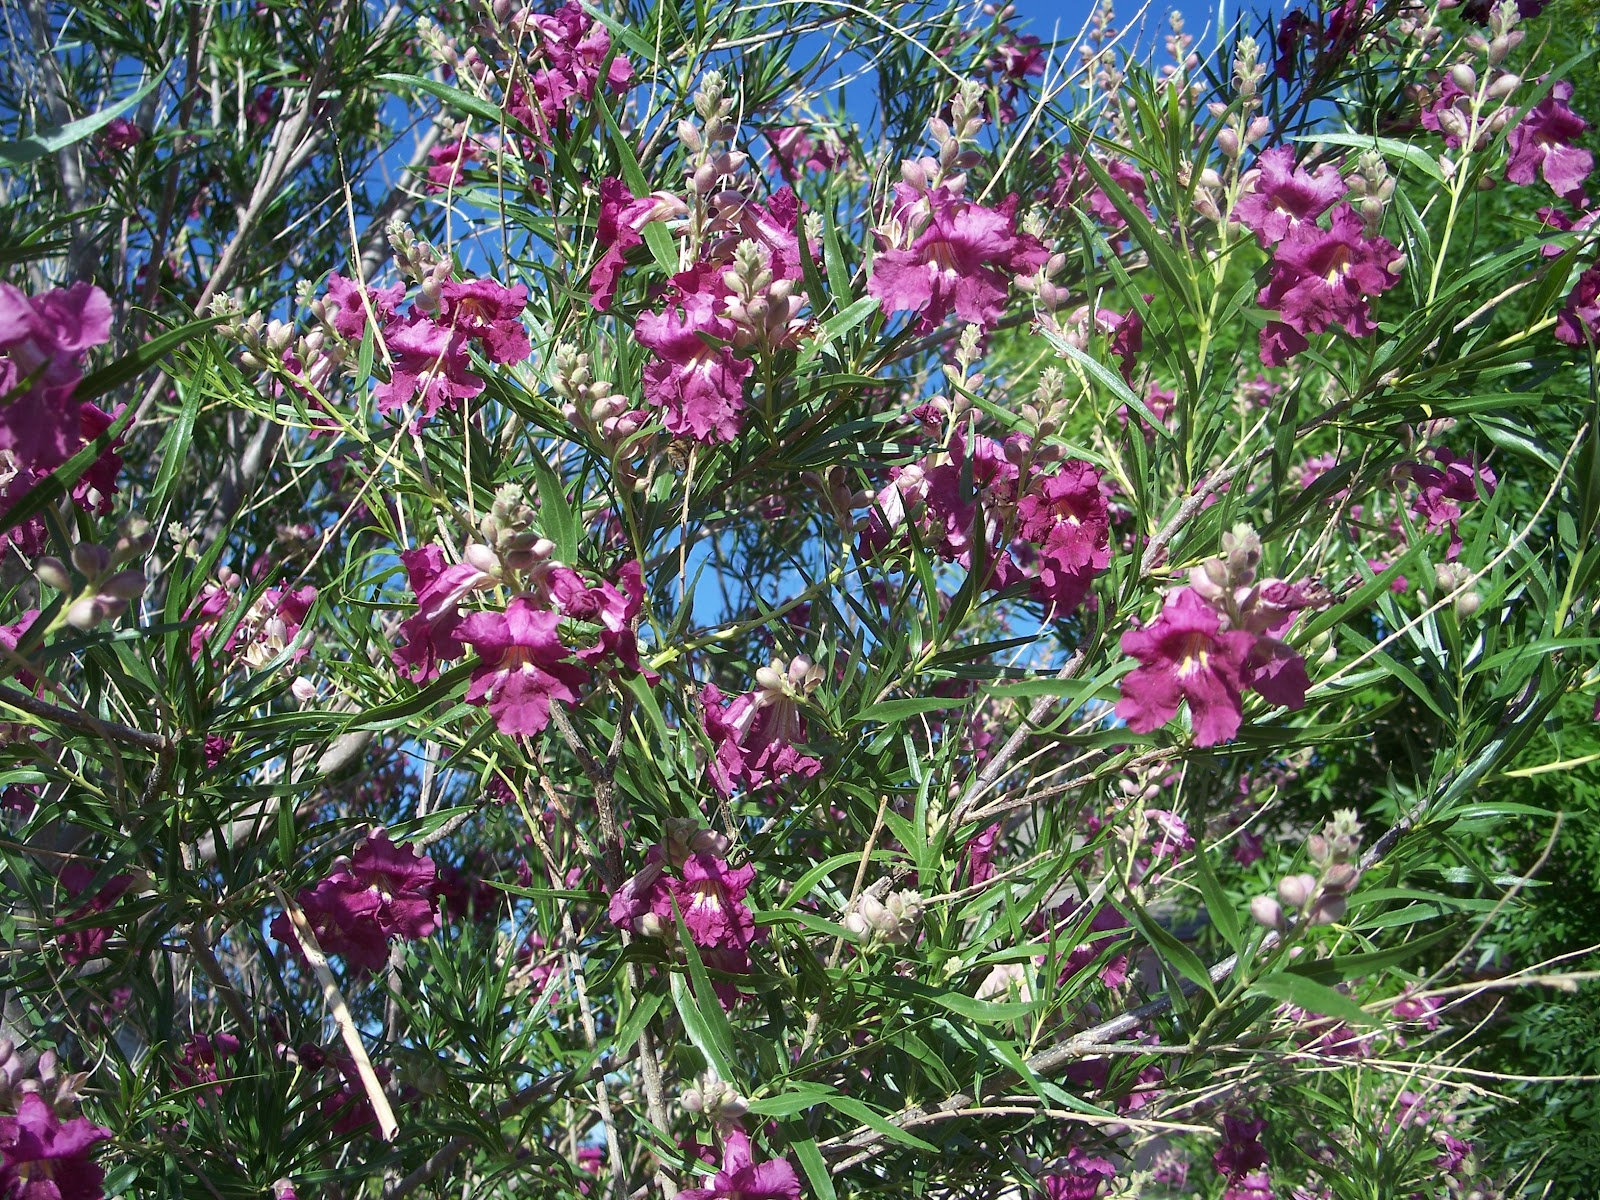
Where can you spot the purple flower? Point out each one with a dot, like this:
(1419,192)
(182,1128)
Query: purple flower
(1542,143)
(345,304)
(1066,518)
(431,633)
(46,1158)
(755,735)
(1075,185)
(1286,196)
(565,59)
(741,1178)
(490,314)
(710,896)
(449,164)
(523,666)
(78,946)
(620,229)
(1579,319)
(203,1056)
(698,384)
(795,152)
(1185,655)
(1241,1151)
(1444,487)
(1321,278)
(945,254)
(1079,1177)
(383,892)
(42,343)
(429,367)
(121,134)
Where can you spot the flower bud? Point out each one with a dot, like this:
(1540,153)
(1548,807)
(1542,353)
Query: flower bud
(1228,143)
(1467,604)
(124,585)
(86,612)
(1296,890)
(1503,85)
(303,689)
(1328,910)
(52,572)
(1267,911)
(1464,77)
(90,559)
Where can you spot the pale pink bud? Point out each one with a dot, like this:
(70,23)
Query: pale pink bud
(1267,911)
(1297,890)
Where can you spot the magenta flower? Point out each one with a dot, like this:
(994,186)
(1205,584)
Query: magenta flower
(613,611)
(942,254)
(710,896)
(742,1178)
(202,1064)
(1321,278)
(1079,1177)
(1185,655)
(79,946)
(121,134)
(345,305)
(11,637)
(430,634)
(42,343)
(1286,196)
(1241,1151)
(1074,185)
(566,62)
(523,666)
(430,368)
(450,163)
(1579,320)
(383,892)
(1444,487)
(699,385)
(268,628)
(620,229)
(795,152)
(1067,519)
(755,735)
(490,314)
(1543,143)
(46,1158)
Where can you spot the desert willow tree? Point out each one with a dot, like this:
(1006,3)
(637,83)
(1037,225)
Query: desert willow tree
(757,600)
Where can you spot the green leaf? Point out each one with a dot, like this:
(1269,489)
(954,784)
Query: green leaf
(699,1008)
(555,514)
(811,1162)
(862,1113)
(891,711)
(453,96)
(1218,906)
(1312,996)
(47,142)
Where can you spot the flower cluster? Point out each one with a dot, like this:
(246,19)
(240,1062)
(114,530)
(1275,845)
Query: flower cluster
(686,876)
(742,1178)
(1214,638)
(524,663)
(756,735)
(45,1149)
(265,629)
(382,892)
(43,341)
(1012,505)
(1322,278)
